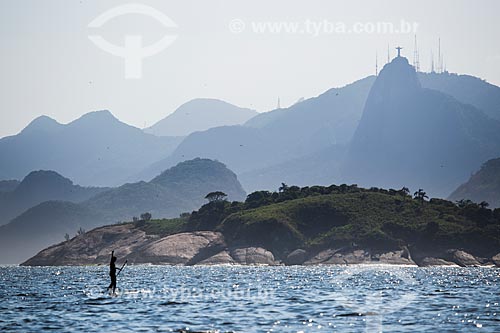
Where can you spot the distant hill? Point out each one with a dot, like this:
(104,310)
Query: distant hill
(277,136)
(44,224)
(180,189)
(466,89)
(484,185)
(198,115)
(40,186)
(416,137)
(94,150)
(270,147)
(8,185)
(318,168)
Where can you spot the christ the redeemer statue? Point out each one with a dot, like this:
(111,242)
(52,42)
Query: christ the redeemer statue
(399,48)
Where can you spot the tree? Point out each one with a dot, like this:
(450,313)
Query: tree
(216,196)
(404,191)
(66,237)
(420,195)
(283,188)
(258,198)
(80,232)
(464,203)
(484,204)
(135,219)
(146,216)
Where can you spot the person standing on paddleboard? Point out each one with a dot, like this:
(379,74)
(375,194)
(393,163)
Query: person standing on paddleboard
(112,271)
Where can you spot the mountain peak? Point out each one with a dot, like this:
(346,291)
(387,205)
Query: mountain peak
(102,120)
(397,79)
(44,177)
(42,123)
(201,114)
(101,115)
(42,181)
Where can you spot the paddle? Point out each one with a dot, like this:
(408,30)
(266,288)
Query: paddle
(122,267)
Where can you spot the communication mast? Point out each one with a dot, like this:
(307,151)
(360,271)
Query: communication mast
(416,60)
(432,62)
(440,64)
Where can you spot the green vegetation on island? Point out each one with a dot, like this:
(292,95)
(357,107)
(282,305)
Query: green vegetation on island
(317,217)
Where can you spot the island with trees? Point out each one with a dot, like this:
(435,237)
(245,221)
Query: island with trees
(337,224)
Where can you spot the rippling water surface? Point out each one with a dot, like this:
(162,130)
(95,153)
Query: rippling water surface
(251,299)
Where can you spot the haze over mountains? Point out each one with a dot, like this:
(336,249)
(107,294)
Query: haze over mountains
(466,89)
(278,136)
(94,150)
(400,128)
(483,185)
(198,115)
(307,142)
(304,144)
(180,189)
(38,187)
(416,137)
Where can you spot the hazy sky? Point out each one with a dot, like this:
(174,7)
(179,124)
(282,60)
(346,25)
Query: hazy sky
(49,66)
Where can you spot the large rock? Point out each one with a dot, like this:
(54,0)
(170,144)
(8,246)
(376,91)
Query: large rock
(182,248)
(297,257)
(221,258)
(400,257)
(496,259)
(321,257)
(432,261)
(253,256)
(93,247)
(359,256)
(340,257)
(463,258)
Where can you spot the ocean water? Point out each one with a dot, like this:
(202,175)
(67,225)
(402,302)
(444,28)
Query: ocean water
(251,299)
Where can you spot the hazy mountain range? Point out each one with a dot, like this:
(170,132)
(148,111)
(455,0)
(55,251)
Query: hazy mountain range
(180,189)
(96,149)
(416,137)
(466,89)
(37,187)
(305,143)
(400,128)
(199,115)
(444,125)
(278,136)
(483,185)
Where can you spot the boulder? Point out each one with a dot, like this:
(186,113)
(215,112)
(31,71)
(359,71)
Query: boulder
(340,257)
(93,247)
(320,257)
(355,257)
(432,261)
(462,258)
(221,258)
(400,257)
(496,259)
(253,256)
(180,248)
(297,257)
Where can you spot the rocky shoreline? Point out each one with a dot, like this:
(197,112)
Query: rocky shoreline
(210,248)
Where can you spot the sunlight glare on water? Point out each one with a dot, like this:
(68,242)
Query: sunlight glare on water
(251,299)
